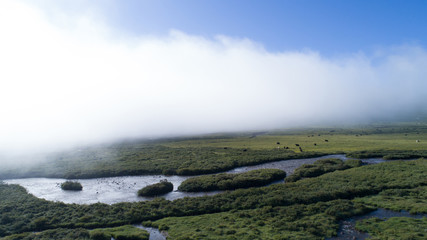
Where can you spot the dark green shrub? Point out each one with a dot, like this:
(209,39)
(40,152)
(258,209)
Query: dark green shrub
(71,186)
(99,235)
(126,232)
(229,181)
(160,188)
(320,167)
(353,163)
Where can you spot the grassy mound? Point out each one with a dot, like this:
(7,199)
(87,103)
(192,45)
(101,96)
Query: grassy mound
(394,228)
(321,167)
(227,181)
(160,188)
(127,232)
(71,186)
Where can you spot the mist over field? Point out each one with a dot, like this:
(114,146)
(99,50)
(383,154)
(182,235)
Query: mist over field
(71,79)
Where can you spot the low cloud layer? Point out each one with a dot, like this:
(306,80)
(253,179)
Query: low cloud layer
(72,79)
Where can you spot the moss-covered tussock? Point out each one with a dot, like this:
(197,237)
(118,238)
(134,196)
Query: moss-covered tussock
(310,222)
(389,154)
(230,181)
(127,232)
(394,228)
(156,189)
(320,167)
(71,186)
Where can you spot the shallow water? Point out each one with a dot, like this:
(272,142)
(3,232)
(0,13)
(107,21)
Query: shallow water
(347,230)
(155,234)
(124,189)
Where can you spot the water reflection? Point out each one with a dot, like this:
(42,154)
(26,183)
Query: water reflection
(123,189)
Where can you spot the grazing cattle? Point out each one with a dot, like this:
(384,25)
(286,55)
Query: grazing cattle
(244,150)
(297,145)
(417,141)
(315,144)
(278,143)
(300,149)
(326,140)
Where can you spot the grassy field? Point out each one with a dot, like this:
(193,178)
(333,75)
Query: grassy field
(345,140)
(220,152)
(394,228)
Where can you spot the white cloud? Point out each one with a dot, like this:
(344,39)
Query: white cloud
(79,81)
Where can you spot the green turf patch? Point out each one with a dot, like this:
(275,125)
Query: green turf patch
(394,228)
(231,181)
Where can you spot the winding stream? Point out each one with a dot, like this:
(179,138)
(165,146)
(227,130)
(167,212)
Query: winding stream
(123,189)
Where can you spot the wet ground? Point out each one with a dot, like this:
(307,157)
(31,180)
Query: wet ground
(155,234)
(124,189)
(348,231)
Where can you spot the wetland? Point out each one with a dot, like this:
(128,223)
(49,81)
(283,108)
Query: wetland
(309,207)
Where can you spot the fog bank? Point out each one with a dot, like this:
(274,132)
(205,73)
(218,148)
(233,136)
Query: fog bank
(72,79)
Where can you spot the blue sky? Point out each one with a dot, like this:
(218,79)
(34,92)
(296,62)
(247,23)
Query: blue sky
(81,72)
(331,27)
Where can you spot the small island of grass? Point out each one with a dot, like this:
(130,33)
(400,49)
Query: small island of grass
(71,186)
(230,181)
(321,167)
(123,232)
(160,188)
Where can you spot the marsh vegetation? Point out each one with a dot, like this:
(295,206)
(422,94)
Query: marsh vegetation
(321,167)
(71,186)
(231,181)
(308,208)
(221,152)
(156,189)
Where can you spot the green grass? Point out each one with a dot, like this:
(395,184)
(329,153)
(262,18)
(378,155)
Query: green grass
(57,234)
(156,189)
(394,228)
(231,181)
(71,186)
(411,200)
(309,208)
(22,212)
(221,152)
(381,137)
(313,221)
(320,167)
(127,232)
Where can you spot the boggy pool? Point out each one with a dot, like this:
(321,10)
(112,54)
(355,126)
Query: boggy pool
(124,189)
(347,230)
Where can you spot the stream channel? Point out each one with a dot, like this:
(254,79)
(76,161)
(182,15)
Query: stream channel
(124,189)
(112,190)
